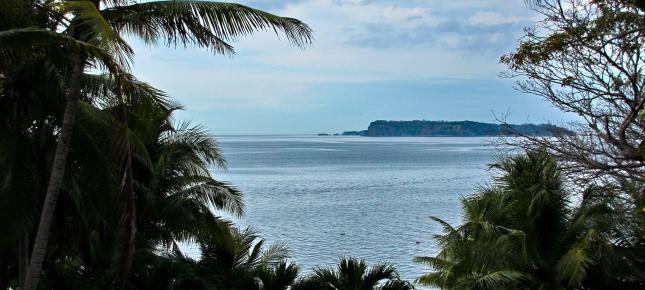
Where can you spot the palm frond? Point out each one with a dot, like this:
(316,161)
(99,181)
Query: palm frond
(447,228)
(201,23)
(501,280)
(33,42)
(198,140)
(92,27)
(433,279)
(275,254)
(219,195)
(378,273)
(277,277)
(327,277)
(106,90)
(434,262)
(572,267)
(396,285)
(251,252)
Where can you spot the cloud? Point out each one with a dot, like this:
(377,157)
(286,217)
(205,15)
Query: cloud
(397,40)
(481,18)
(485,31)
(358,43)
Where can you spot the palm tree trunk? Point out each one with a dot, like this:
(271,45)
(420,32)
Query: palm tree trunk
(23,257)
(55,178)
(127,223)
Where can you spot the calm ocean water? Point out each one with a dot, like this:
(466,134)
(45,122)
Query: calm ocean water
(327,197)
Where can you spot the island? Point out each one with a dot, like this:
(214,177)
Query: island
(423,128)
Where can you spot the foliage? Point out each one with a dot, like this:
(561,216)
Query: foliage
(98,152)
(131,185)
(524,233)
(134,184)
(354,274)
(586,58)
(457,128)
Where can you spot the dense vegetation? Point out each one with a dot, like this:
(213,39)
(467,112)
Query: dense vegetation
(99,185)
(524,232)
(570,212)
(420,128)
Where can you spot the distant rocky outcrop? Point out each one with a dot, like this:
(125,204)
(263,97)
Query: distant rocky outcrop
(422,128)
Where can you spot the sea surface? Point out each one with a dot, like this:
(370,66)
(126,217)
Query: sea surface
(368,197)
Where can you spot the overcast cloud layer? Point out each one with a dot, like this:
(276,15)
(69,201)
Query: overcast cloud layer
(400,60)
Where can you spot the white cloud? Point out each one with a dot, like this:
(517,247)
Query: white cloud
(355,41)
(487,18)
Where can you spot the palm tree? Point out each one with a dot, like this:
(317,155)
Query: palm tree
(234,259)
(28,124)
(229,261)
(175,190)
(33,59)
(354,274)
(522,233)
(277,277)
(199,23)
(175,196)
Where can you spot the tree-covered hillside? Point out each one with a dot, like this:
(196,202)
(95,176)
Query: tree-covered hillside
(420,128)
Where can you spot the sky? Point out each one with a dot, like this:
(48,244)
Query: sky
(370,60)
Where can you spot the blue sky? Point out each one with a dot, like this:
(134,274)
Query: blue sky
(394,60)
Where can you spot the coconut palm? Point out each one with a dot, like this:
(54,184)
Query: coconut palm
(522,233)
(233,259)
(33,63)
(99,24)
(175,198)
(354,274)
(277,277)
(175,190)
(29,42)
(29,125)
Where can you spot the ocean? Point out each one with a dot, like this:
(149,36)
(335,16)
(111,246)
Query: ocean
(368,197)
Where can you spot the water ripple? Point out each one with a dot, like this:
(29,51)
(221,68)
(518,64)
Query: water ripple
(367,197)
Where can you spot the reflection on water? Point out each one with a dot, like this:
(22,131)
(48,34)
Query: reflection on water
(326,197)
